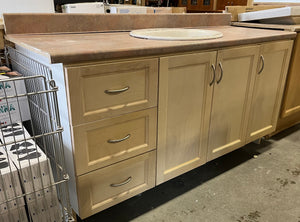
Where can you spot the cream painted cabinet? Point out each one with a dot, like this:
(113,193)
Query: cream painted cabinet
(268,88)
(232,89)
(184,102)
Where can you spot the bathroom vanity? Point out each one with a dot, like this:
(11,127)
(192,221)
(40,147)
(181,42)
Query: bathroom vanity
(139,112)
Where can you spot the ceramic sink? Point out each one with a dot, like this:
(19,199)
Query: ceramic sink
(174,34)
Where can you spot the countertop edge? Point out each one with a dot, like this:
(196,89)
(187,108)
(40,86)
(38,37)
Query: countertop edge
(69,59)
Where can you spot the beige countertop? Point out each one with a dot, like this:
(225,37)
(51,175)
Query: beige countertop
(292,28)
(80,47)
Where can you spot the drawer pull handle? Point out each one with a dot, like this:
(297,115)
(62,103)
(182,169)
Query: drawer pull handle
(214,74)
(262,64)
(116,91)
(221,76)
(119,140)
(122,183)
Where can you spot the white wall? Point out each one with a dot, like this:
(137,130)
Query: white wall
(19,6)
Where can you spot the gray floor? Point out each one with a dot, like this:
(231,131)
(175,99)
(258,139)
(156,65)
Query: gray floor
(257,183)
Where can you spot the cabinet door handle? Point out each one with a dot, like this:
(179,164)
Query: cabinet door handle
(116,91)
(122,183)
(214,74)
(221,76)
(119,140)
(262,64)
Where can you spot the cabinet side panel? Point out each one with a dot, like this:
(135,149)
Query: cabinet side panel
(291,102)
(58,76)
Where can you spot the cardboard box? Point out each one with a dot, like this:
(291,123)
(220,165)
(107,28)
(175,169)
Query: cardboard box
(13,109)
(162,10)
(235,10)
(34,170)
(178,9)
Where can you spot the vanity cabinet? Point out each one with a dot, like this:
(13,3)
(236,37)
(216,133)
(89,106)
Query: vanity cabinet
(268,88)
(131,124)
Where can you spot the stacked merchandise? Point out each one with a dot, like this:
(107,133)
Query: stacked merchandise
(25,169)
(35,174)
(11,200)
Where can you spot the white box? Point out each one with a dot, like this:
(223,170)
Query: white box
(94,7)
(15,215)
(34,169)
(13,109)
(46,207)
(128,10)
(10,187)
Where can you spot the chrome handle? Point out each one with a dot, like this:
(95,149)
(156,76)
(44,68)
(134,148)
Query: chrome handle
(214,73)
(119,140)
(263,64)
(122,183)
(221,76)
(115,91)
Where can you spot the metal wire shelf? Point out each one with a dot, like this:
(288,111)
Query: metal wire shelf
(33,179)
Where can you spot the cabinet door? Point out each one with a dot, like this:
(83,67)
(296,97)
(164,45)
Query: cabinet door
(268,88)
(230,109)
(184,102)
(290,113)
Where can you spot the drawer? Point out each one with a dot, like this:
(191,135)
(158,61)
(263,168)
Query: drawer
(108,186)
(110,89)
(105,142)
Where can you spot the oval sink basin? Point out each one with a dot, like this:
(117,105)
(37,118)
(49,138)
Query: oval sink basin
(174,34)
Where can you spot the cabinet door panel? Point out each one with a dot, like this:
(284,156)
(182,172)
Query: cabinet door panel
(268,89)
(230,99)
(184,102)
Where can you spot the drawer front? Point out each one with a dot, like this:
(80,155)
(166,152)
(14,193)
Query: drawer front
(108,186)
(110,89)
(105,142)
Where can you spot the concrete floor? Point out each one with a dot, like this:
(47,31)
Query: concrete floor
(257,183)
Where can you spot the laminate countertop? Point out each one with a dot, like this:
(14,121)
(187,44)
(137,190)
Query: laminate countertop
(292,28)
(94,46)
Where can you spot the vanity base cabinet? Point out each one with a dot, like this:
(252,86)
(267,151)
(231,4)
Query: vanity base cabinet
(232,91)
(184,101)
(268,88)
(119,142)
